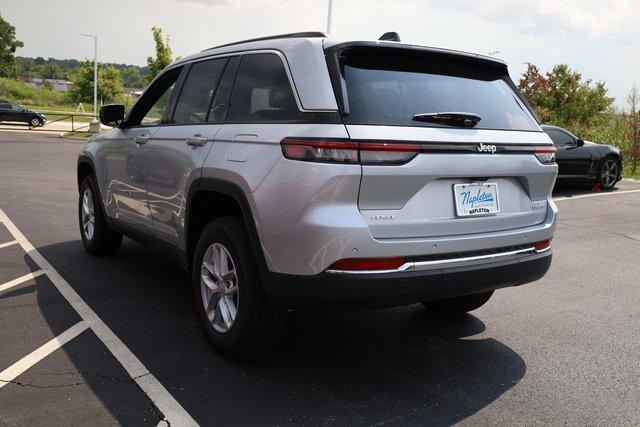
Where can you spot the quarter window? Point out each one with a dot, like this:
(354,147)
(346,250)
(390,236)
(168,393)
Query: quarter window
(152,106)
(198,88)
(262,92)
(560,138)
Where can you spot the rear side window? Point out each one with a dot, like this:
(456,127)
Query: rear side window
(262,92)
(387,86)
(200,85)
(560,138)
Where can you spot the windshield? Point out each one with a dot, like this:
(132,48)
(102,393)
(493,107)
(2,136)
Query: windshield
(386,86)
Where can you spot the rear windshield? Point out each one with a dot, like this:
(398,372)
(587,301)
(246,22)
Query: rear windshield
(386,86)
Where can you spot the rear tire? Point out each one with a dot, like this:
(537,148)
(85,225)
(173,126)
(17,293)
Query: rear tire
(234,310)
(459,305)
(97,238)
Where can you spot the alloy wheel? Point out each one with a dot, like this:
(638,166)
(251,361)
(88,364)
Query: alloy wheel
(35,122)
(219,287)
(88,214)
(609,173)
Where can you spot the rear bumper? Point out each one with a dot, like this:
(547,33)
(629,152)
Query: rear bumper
(391,289)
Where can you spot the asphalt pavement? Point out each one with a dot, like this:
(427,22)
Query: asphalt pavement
(563,350)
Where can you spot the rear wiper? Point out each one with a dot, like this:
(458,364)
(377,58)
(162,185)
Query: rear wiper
(467,120)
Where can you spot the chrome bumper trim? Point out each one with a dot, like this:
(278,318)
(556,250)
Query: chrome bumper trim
(452,262)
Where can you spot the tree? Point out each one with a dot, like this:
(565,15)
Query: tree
(8,46)
(633,118)
(109,83)
(51,70)
(163,54)
(562,98)
(131,77)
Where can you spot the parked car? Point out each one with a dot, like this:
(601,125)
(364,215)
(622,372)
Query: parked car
(12,112)
(585,162)
(300,171)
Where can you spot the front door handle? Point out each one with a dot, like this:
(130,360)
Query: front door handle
(196,140)
(142,139)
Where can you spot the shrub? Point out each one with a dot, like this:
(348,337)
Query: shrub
(20,92)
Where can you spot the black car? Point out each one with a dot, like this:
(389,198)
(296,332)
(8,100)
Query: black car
(12,112)
(584,162)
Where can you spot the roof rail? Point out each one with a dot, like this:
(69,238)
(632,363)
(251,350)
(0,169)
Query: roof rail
(306,34)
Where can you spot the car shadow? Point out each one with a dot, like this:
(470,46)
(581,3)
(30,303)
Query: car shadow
(400,365)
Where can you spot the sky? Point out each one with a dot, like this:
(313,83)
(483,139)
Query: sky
(598,38)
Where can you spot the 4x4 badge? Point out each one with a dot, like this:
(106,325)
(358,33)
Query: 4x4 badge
(487,148)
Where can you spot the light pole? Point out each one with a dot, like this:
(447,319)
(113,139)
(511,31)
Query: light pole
(95,71)
(329,16)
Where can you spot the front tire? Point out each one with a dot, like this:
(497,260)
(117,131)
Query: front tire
(459,305)
(609,173)
(233,308)
(97,238)
(35,122)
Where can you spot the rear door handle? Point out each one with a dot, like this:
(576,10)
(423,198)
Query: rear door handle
(196,140)
(142,139)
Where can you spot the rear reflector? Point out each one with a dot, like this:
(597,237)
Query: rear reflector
(370,264)
(542,245)
(348,151)
(546,155)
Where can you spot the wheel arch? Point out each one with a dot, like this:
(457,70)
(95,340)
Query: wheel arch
(84,168)
(229,200)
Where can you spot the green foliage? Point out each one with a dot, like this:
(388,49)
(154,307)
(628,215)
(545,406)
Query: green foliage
(632,117)
(109,83)
(8,46)
(20,92)
(163,54)
(131,77)
(562,98)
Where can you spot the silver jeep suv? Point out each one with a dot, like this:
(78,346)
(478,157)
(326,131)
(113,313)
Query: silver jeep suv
(301,171)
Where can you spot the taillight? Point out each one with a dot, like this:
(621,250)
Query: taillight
(320,150)
(542,245)
(347,151)
(546,155)
(367,264)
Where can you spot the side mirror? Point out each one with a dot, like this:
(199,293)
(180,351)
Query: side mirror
(579,143)
(112,115)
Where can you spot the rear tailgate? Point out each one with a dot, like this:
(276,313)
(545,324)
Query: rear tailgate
(468,176)
(417,199)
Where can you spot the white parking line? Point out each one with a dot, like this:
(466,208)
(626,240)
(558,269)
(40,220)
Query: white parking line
(583,196)
(37,355)
(21,279)
(173,412)
(6,244)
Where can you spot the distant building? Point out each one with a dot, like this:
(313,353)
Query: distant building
(55,84)
(133,92)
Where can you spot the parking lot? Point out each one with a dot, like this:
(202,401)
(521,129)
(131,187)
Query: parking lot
(115,339)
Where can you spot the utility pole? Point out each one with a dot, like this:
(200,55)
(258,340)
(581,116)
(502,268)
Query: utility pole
(329,16)
(95,71)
